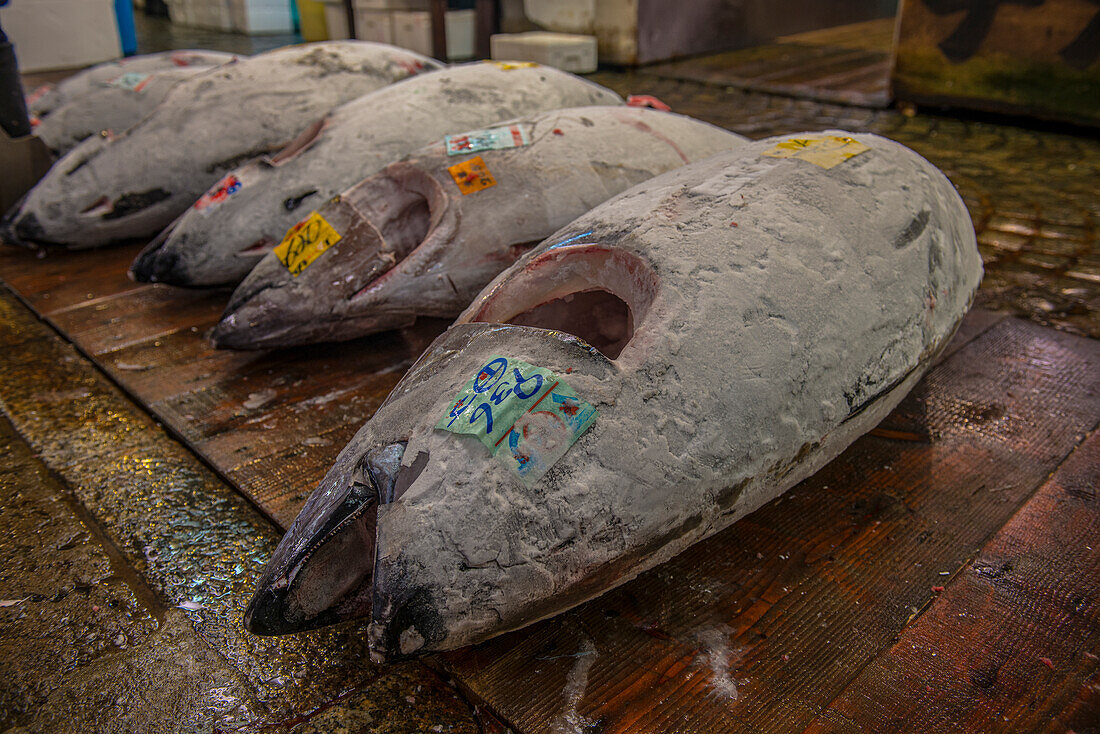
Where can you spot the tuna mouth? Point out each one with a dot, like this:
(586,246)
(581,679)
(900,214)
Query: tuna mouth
(261,246)
(597,293)
(19,228)
(322,572)
(404,208)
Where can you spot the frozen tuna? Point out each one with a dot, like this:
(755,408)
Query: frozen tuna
(235,224)
(133,185)
(45,99)
(421,238)
(645,377)
(111,108)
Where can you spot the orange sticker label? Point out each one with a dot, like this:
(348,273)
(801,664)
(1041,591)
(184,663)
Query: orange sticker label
(472,175)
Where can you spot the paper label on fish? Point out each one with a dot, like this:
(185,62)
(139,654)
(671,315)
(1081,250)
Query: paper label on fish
(221,191)
(826,151)
(132,80)
(500,138)
(527,416)
(513,65)
(472,175)
(305,242)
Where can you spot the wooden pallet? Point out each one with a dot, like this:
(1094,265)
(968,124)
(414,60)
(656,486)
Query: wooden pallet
(942,574)
(847,65)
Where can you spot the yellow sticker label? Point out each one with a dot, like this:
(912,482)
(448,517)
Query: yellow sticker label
(512,65)
(305,242)
(826,151)
(472,175)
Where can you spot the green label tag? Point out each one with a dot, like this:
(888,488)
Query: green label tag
(527,416)
(475,141)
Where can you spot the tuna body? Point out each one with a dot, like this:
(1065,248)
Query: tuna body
(734,324)
(110,108)
(84,82)
(219,243)
(414,241)
(133,185)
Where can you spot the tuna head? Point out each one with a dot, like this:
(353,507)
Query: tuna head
(638,381)
(139,182)
(416,241)
(67,207)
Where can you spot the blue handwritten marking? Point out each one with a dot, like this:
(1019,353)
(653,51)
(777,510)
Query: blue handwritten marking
(521,380)
(486,410)
(571,239)
(488,372)
(460,408)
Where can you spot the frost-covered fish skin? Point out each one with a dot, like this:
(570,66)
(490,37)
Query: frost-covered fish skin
(115,107)
(223,237)
(135,184)
(413,244)
(42,102)
(740,321)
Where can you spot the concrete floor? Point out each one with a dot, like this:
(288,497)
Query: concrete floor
(126,560)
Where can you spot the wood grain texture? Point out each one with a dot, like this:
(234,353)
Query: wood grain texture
(270,423)
(1012,644)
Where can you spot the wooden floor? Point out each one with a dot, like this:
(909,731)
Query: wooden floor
(847,64)
(943,574)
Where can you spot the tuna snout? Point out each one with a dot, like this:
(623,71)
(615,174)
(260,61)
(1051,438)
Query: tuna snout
(21,228)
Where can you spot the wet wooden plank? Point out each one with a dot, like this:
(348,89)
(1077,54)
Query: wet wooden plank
(53,279)
(1013,642)
(762,626)
(112,322)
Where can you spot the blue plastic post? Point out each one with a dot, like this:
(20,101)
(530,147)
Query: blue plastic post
(124,13)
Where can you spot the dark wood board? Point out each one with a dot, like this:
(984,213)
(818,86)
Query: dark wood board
(1020,627)
(847,64)
(764,627)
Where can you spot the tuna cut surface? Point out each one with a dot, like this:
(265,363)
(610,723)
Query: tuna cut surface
(110,108)
(131,186)
(651,373)
(416,240)
(44,100)
(225,235)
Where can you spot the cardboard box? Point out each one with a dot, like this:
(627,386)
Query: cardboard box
(61,34)
(336,20)
(568,52)
(392,4)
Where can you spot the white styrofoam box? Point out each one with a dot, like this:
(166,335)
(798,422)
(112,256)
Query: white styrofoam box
(336,20)
(374,25)
(413,30)
(568,52)
(262,16)
(392,4)
(60,34)
(460,34)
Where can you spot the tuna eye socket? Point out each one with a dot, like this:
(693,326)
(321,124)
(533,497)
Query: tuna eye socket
(600,318)
(598,293)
